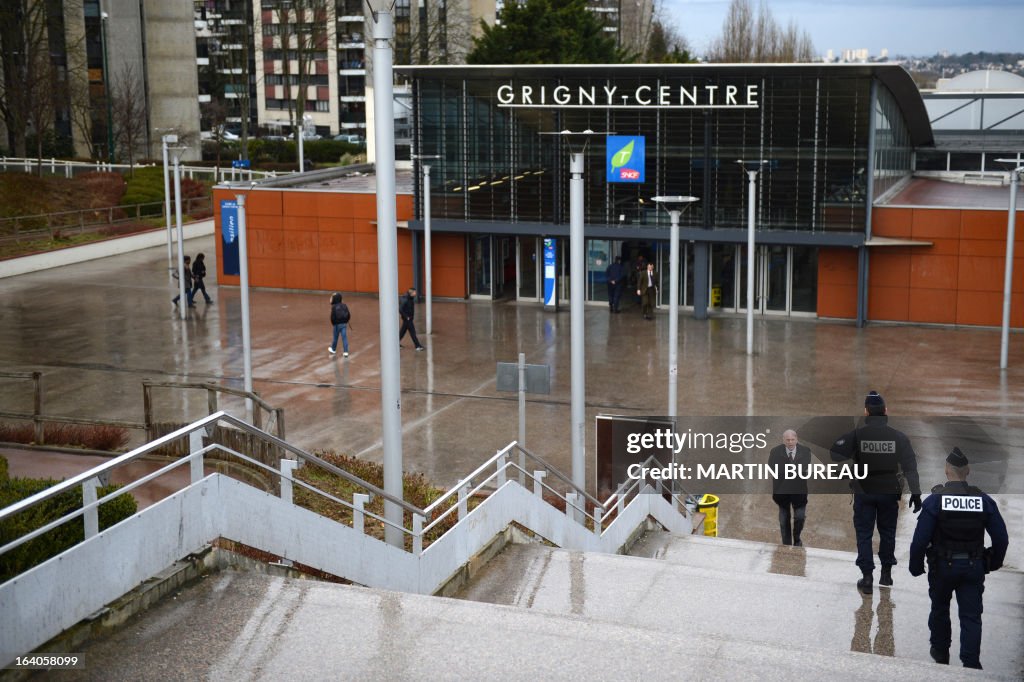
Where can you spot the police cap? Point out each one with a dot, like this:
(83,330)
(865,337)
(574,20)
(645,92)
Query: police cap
(957,458)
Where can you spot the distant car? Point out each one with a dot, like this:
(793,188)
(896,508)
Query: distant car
(358,140)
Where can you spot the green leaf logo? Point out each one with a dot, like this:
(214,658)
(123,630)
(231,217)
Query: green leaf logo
(622,156)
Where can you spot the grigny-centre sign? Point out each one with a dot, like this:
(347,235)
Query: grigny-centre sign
(642,97)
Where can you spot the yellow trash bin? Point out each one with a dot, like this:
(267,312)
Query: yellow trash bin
(716,297)
(708,505)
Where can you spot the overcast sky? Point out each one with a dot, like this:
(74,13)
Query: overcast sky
(910,27)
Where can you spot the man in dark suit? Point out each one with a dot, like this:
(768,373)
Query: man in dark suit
(787,492)
(647,290)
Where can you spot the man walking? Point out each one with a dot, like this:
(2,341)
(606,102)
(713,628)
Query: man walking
(186,273)
(885,452)
(340,317)
(647,290)
(951,533)
(790,494)
(407,309)
(615,274)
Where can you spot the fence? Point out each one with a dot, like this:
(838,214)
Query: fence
(264,416)
(71,168)
(67,223)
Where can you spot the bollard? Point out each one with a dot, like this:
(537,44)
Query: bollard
(538,482)
(195,445)
(598,514)
(501,471)
(709,506)
(417,534)
(463,503)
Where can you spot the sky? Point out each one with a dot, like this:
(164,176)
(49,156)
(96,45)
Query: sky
(905,27)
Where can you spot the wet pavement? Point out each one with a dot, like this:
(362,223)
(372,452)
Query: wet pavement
(97,330)
(244,626)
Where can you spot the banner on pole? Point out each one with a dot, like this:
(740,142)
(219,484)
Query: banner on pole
(229,236)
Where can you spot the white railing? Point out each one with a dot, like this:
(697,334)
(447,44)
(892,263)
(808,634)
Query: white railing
(71,168)
(216,506)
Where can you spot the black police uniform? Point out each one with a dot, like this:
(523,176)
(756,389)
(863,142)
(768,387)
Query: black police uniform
(876,500)
(951,533)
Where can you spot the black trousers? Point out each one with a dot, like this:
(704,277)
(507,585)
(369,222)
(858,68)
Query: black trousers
(408,325)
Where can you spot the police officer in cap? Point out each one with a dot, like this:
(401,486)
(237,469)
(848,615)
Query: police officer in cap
(885,452)
(951,533)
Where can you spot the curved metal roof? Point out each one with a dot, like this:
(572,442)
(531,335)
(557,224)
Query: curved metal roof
(892,76)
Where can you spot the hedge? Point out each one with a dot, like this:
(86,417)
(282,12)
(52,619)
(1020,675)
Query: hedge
(55,541)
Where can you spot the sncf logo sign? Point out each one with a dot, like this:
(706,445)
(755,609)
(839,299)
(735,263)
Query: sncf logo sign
(626,157)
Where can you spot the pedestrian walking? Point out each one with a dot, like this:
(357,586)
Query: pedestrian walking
(198,275)
(790,494)
(340,317)
(647,290)
(186,275)
(616,275)
(886,453)
(951,534)
(407,309)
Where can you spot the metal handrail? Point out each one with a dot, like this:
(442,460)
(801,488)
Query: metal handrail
(208,421)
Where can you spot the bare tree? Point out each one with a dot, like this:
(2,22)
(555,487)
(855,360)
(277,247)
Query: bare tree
(128,110)
(749,36)
(26,83)
(441,34)
(303,32)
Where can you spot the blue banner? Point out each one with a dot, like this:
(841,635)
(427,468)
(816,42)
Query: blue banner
(550,278)
(626,157)
(229,236)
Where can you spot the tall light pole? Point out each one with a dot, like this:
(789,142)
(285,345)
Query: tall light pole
(387,271)
(243,271)
(428,282)
(106,88)
(164,141)
(182,294)
(1011,222)
(577,284)
(675,206)
(751,168)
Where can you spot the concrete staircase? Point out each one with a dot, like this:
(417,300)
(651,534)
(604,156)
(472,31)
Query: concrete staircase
(715,597)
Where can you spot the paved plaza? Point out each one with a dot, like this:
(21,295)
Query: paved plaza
(97,330)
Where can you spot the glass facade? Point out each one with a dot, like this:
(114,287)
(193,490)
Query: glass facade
(811,124)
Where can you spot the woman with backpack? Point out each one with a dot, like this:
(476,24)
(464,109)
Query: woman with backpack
(198,274)
(339,320)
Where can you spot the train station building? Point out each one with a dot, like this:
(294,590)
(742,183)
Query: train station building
(844,227)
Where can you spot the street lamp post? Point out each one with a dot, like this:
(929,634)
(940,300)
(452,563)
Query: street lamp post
(164,141)
(182,294)
(243,271)
(751,168)
(106,88)
(1011,222)
(427,279)
(387,271)
(675,206)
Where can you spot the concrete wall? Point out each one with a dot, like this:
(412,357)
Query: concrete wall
(172,76)
(305,239)
(956,280)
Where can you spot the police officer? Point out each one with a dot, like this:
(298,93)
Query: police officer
(885,452)
(951,533)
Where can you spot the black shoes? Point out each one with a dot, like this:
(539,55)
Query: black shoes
(864,584)
(941,657)
(885,580)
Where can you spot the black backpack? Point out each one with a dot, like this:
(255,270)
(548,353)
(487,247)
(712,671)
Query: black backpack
(340,314)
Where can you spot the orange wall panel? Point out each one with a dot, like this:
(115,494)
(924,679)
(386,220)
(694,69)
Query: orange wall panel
(364,225)
(990,248)
(364,248)
(979,307)
(299,223)
(889,268)
(985,225)
(837,300)
(337,247)
(405,247)
(261,202)
(449,251)
(301,246)
(342,224)
(266,272)
(449,282)
(892,222)
(265,243)
(333,204)
(933,305)
(362,206)
(337,276)
(263,222)
(302,274)
(298,203)
(933,272)
(837,283)
(936,223)
(888,303)
(403,207)
(981,274)
(366,277)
